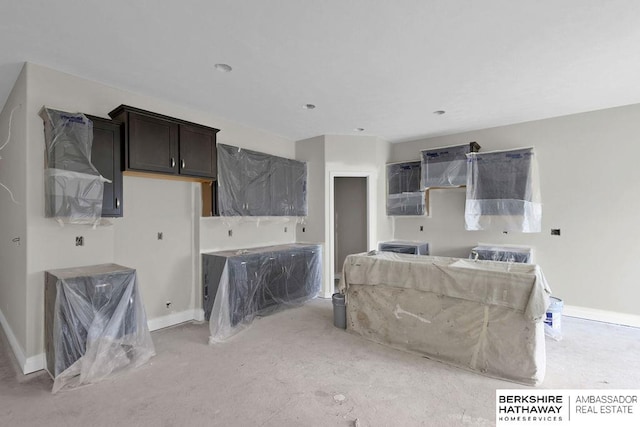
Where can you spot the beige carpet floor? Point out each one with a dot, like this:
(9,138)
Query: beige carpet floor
(295,369)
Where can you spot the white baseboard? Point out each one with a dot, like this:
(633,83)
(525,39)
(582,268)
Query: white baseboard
(602,315)
(174,319)
(34,363)
(198,314)
(13,342)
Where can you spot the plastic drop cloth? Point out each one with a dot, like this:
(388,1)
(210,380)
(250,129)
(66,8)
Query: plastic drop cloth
(259,281)
(403,189)
(503,191)
(446,166)
(483,316)
(251,183)
(73,186)
(95,324)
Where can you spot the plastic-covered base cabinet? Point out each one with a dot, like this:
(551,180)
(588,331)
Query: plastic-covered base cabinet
(502,253)
(403,247)
(95,324)
(239,285)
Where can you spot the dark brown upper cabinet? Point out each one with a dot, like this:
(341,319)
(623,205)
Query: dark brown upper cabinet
(106,157)
(160,144)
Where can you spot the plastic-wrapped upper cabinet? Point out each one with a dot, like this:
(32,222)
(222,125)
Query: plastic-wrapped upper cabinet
(251,183)
(503,191)
(446,166)
(73,186)
(403,189)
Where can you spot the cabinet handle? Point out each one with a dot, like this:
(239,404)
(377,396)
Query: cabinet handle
(173,162)
(183,163)
(117,203)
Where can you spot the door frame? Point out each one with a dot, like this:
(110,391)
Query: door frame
(330,250)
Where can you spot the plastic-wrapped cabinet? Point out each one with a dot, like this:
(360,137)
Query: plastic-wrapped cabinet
(503,191)
(483,316)
(501,253)
(95,324)
(242,284)
(404,247)
(73,186)
(251,183)
(446,166)
(403,189)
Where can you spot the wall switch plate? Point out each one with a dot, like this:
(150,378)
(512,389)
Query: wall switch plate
(160,235)
(79,241)
(304,229)
(230,233)
(555,231)
(285,229)
(168,304)
(422,228)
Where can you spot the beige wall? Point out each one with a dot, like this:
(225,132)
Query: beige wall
(589,177)
(13,223)
(168,269)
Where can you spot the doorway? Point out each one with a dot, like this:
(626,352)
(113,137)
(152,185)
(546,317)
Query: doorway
(350,219)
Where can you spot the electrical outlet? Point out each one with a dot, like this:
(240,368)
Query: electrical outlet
(160,235)
(555,231)
(285,229)
(304,229)
(79,241)
(422,228)
(230,233)
(168,304)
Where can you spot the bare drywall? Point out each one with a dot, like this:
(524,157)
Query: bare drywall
(589,178)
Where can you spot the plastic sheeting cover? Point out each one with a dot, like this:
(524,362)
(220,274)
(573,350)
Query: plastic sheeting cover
(95,324)
(446,166)
(73,186)
(501,253)
(503,191)
(251,183)
(260,281)
(404,247)
(483,316)
(403,189)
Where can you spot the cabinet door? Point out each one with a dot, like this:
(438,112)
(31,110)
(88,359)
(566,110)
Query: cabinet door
(152,144)
(298,184)
(105,156)
(280,184)
(197,151)
(257,194)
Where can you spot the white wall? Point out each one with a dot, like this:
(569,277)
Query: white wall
(13,222)
(168,269)
(589,178)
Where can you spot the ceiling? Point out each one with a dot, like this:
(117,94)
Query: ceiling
(384,66)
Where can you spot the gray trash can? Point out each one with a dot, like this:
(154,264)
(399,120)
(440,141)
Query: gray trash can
(339,311)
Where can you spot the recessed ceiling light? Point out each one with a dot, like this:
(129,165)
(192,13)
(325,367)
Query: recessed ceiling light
(439,112)
(359,129)
(308,106)
(223,68)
